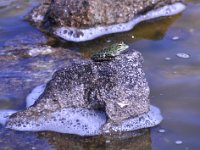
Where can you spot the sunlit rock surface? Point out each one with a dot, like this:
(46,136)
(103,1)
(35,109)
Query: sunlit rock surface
(81,20)
(78,99)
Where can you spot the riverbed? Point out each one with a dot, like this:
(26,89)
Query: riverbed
(171,51)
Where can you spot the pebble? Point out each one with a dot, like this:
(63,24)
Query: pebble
(183,55)
(178,142)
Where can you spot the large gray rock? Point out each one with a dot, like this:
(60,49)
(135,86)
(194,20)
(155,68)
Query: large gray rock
(117,87)
(80,20)
(88,13)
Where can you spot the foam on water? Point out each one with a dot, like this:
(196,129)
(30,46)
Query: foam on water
(78,35)
(183,55)
(5,114)
(150,119)
(34,95)
(79,121)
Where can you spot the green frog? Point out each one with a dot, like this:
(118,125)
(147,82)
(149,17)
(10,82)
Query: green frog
(110,52)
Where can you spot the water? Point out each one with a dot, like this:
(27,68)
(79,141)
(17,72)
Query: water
(174,82)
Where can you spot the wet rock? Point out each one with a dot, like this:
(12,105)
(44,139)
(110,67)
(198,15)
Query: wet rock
(30,38)
(4,3)
(78,98)
(37,15)
(80,20)
(88,13)
(118,87)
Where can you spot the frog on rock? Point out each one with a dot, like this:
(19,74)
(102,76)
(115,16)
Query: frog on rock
(110,52)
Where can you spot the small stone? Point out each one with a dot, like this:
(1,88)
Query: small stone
(183,55)
(178,142)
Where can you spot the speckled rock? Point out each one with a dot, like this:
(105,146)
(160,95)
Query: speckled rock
(88,13)
(117,87)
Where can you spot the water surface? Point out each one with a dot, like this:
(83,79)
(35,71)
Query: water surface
(174,81)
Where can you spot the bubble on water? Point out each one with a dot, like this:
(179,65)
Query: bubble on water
(183,55)
(5,114)
(33,148)
(168,58)
(94,32)
(161,130)
(175,38)
(179,142)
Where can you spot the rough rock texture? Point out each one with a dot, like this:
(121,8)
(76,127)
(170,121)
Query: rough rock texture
(118,87)
(82,20)
(39,12)
(89,13)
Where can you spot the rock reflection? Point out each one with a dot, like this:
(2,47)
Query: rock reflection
(63,141)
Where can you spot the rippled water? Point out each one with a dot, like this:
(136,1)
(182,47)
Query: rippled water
(174,81)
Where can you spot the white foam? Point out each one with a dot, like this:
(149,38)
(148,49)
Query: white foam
(78,121)
(34,95)
(78,35)
(183,55)
(150,119)
(5,114)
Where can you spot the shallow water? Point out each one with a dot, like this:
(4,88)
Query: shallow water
(174,81)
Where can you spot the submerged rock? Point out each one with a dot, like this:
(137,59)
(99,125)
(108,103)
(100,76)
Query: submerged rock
(81,20)
(25,66)
(78,98)
(30,38)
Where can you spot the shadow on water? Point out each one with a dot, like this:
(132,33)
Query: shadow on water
(174,81)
